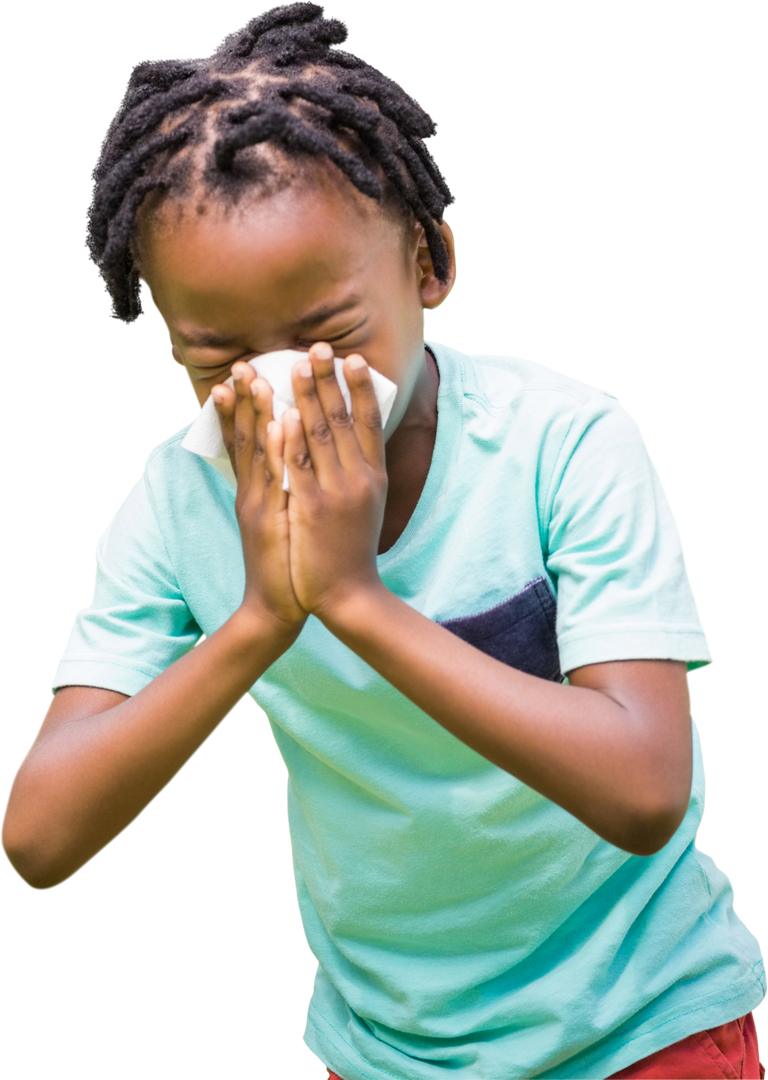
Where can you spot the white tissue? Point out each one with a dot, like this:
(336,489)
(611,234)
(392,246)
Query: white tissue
(204,437)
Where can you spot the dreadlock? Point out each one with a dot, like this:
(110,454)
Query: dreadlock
(277,82)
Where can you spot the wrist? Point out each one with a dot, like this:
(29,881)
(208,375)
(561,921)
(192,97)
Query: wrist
(256,627)
(352,610)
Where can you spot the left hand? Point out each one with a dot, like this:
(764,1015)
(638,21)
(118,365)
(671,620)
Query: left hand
(338,481)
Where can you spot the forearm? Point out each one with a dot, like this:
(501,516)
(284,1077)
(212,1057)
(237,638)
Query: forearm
(579,747)
(87,777)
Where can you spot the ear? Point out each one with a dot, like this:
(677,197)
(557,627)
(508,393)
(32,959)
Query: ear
(433,291)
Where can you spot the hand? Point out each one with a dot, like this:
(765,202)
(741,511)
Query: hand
(338,481)
(254,442)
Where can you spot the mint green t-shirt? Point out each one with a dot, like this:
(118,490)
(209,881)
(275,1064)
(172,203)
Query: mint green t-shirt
(464,925)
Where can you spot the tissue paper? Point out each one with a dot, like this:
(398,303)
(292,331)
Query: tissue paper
(204,437)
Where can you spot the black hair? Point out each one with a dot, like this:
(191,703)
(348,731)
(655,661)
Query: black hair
(278,81)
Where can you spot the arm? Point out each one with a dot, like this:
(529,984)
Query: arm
(83,785)
(613,748)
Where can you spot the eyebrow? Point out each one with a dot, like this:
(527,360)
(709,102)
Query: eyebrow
(207,340)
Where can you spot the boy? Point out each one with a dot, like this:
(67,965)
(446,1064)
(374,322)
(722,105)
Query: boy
(488,862)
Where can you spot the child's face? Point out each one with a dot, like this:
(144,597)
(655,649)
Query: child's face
(304,265)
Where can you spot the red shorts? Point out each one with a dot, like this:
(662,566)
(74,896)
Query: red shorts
(728,1052)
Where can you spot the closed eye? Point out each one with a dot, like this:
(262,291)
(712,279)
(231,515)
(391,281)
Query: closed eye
(228,363)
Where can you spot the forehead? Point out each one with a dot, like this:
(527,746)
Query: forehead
(270,262)
(291,250)
(315,214)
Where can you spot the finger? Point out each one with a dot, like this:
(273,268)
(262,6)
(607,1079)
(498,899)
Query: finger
(295,449)
(316,431)
(367,424)
(267,453)
(325,421)
(224,404)
(270,434)
(245,424)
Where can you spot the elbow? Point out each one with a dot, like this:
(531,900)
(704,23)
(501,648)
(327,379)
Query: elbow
(668,798)
(654,828)
(21,869)
(38,872)
(34,877)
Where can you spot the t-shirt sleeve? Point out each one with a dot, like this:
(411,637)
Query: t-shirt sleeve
(613,550)
(138,622)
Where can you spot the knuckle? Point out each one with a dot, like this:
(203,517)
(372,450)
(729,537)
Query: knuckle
(320,431)
(372,419)
(240,440)
(339,417)
(302,460)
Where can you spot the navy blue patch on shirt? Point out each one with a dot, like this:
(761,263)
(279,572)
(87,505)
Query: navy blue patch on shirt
(520,631)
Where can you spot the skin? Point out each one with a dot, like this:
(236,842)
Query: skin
(254,274)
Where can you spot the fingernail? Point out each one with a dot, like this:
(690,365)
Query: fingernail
(291,414)
(217,395)
(356,362)
(305,369)
(322,350)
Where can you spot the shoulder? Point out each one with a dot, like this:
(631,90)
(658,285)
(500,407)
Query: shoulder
(541,415)
(499,383)
(167,451)
(173,472)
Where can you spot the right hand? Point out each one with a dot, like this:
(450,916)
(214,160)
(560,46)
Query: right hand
(254,441)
